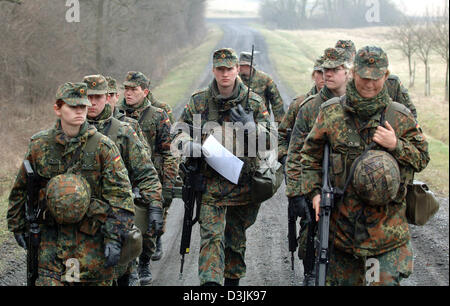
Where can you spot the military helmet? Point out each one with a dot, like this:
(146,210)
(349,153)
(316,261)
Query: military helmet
(376,179)
(68,197)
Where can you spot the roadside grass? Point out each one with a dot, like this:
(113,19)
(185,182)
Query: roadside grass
(294,52)
(182,78)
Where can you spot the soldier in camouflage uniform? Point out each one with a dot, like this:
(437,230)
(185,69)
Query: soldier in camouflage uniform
(360,230)
(227,210)
(164,106)
(287,124)
(155,125)
(74,147)
(396,90)
(142,173)
(263,85)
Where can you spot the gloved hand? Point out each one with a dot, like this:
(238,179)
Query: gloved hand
(112,253)
(300,207)
(155,220)
(21,240)
(192,149)
(238,114)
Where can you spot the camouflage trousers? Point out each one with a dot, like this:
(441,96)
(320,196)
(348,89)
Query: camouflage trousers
(50,281)
(386,269)
(148,240)
(223,241)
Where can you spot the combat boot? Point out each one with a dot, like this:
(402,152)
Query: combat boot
(134,277)
(145,275)
(158,252)
(231,282)
(309,280)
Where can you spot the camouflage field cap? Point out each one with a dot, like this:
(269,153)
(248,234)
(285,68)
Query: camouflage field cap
(333,57)
(371,62)
(376,179)
(73,94)
(135,79)
(68,197)
(112,84)
(318,63)
(245,58)
(96,84)
(225,57)
(349,48)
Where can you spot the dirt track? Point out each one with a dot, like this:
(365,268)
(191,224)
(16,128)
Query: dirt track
(267,256)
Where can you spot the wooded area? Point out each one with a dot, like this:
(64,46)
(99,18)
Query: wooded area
(40,48)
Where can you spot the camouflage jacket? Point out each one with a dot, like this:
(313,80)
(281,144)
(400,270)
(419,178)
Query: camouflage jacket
(50,153)
(134,124)
(137,159)
(289,121)
(162,105)
(399,93)
(220,191)
(155,125)
(265,87)
(306,116)
(385,227)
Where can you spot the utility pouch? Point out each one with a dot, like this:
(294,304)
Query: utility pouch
(421,204)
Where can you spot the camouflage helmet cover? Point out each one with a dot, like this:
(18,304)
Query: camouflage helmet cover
(376,179)
(68,197)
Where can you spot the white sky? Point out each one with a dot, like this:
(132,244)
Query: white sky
(409,7)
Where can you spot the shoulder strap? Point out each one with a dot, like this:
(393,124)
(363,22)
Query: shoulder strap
(112,129)
(332,101)
(145,113)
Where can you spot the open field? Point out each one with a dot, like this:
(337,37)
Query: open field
(294,52)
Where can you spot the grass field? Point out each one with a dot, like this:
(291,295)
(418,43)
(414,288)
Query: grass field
(294,52)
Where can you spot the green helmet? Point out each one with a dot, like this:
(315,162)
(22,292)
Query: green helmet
(68,197)
(376,179)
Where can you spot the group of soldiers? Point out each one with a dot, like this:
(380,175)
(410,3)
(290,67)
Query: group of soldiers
(106,166)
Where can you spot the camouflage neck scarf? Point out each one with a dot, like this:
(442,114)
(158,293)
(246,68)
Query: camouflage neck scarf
(229,102)
(103,119)
(365,108)
(134,111)
(325,93)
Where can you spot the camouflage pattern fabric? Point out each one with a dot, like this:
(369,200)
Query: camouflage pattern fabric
(96,84)
(164,106)
(73,94)
(349,48)
(289,121)
(135,79)
(333,57)
(68,197)
(347,270)
(223,241)
(225,57)
(46,281)
(361,229)
(399,93)
(134,124)
(112,84)
(371,62)
(50,153)
(265,87)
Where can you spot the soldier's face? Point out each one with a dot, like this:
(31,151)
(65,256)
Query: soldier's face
(71,115)
(318,79)
(244,70)
(335,78)
(225,77)
(98,105)
(135,95)
(368,88)
(112,99)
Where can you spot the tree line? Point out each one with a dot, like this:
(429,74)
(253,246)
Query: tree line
(40,48)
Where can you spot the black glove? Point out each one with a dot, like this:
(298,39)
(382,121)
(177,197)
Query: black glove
(238,114)
(155,220)
(21,240)
(112,253)
(283,162)
(192,149)
(301,208)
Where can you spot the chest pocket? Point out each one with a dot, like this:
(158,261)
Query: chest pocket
(149,128)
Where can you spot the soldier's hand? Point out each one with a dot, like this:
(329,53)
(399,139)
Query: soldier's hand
(300,208)
(238,114)
(155,220)
(20,238)
(112,253)
(385,137)
(316,205)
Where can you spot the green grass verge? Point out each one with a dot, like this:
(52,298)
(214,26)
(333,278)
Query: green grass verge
(179,81)
(293,54)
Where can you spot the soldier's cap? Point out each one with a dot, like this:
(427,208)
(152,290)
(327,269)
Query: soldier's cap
(318,63)
(96,84)
(349,48)
(112,84)
(245,58)
(225,57)
(371,62)
(73,94)
(135,79)
(334,57)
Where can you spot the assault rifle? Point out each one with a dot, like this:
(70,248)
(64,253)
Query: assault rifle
(32,212)
(326,206)
(193,188)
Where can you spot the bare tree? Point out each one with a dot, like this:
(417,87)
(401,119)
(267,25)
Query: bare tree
(441,42)
(424,44)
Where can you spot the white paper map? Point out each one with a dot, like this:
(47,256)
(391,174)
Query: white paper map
(222,160)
